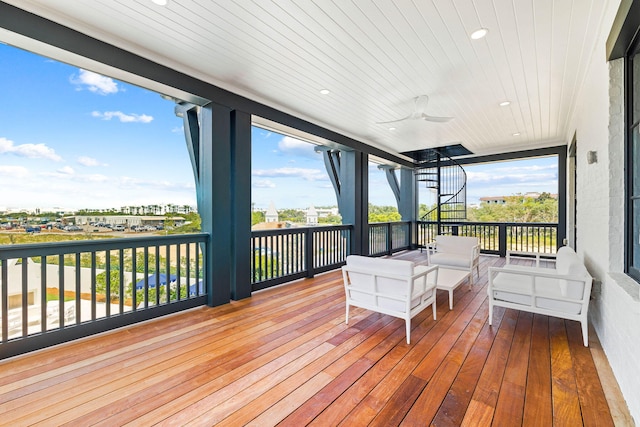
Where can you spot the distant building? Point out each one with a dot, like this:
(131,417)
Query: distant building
(312,216)
(501,200)
(125,220)
(272,214)
(157,209)
(495,200)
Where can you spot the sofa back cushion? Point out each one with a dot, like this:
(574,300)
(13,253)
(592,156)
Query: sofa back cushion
(363,278)
(456,244)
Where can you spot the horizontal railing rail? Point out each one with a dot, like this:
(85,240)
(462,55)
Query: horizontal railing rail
(497,237)
(286,254)
(65,287)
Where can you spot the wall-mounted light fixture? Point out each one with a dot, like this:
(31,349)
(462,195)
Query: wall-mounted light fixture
(592,157)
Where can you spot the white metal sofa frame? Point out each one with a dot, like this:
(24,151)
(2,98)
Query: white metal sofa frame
(457,253)
(398,288)
(562,292)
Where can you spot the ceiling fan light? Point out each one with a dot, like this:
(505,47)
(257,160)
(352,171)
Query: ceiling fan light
(479,33)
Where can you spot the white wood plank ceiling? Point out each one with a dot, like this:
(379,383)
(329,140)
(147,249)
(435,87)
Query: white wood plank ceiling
(374,57)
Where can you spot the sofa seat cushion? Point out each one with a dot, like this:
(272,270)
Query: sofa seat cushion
(516,288)
(450,259)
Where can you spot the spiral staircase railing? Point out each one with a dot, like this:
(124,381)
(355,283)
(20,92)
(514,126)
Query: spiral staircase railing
(449,180)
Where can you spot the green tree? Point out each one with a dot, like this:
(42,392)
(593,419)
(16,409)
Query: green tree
(330,219)
(265,265)
(114,284)
(257,217)
(292,215)
(383,213)
(517,208)
(193,224)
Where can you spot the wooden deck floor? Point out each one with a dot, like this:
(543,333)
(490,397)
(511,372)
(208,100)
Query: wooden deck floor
(286,357)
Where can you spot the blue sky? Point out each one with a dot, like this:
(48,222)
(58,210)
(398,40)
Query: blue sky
(73,139)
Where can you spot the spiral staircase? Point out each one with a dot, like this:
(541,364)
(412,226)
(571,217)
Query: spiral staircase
(449,180)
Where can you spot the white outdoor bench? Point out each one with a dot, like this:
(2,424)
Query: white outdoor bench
(563,291)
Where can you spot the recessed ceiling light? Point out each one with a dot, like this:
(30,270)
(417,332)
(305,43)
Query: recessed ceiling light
(504,103)
(160,2)
(479,33)
(325,91)
(392,128)
(516,134)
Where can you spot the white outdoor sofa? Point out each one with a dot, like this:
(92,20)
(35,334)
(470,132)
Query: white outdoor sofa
(395,287)
(457,253)
(563,291)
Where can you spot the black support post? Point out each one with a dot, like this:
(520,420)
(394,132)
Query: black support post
(241,204)
(562,196)
(214,200)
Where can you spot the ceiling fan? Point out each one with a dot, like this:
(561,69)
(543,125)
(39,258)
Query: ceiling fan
(420,105)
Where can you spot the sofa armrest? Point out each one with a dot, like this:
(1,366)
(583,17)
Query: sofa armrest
(475,254)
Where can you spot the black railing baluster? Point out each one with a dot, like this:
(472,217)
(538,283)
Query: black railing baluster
(134,279)
(25,297)
(188,269)
(93,282)
(4,299)
(157,273)
(121,276)
(43,294)
(168,269)
(60,290)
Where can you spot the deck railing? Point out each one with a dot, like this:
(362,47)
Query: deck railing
(55,292)
(497,237)
(286,254)
(386,238)
(65,286)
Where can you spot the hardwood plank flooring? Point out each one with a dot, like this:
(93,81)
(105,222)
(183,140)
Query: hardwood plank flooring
(285,357)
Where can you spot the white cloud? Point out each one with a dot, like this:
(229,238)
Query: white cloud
(96,178)
(264,183)
(302,173)
(89,161)
(32,151)
(95,82)
(515,176)
(178,129)
(66,170)
(129,183)
(14,171)
(295,147)
(124,118)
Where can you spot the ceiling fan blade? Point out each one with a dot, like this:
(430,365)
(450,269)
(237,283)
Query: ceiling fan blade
(420,105)
(409,117)
(435,119)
